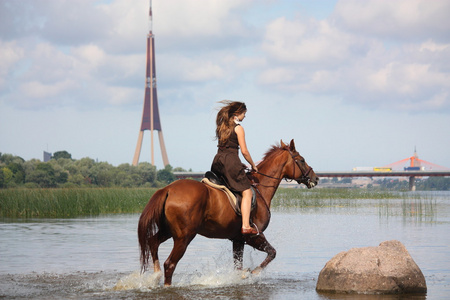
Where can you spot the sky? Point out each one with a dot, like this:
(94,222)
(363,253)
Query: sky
(354,83)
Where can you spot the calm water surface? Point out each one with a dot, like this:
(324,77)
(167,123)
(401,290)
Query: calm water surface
(98,258)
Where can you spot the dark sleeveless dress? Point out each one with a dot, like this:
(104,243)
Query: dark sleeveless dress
(228,166)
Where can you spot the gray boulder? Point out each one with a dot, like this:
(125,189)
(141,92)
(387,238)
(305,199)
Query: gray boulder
(386,269)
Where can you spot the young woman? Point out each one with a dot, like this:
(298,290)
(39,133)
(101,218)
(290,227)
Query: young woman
(226,164)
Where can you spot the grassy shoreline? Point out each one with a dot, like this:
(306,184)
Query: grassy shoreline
(73,202)
(78,202)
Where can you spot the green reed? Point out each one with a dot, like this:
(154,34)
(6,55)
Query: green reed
(73,202)
(301,198)
(412,207)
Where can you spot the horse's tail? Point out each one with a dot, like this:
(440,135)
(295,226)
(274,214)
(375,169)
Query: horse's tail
(150,224)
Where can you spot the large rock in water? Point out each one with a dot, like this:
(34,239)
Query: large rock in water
(386,269)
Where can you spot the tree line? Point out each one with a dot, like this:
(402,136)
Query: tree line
(63,171)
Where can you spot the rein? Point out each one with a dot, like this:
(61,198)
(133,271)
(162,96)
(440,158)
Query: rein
(277,178)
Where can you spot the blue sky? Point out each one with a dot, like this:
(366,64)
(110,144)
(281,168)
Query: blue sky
(354,83)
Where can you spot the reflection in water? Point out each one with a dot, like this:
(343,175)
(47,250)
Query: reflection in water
(98,258)
(420,210)
(411,210)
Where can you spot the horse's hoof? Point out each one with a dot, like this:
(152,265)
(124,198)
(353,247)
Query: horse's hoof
(257,271)
(158,275)
(245,273)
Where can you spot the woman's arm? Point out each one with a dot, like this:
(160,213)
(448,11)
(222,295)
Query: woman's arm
(243,145)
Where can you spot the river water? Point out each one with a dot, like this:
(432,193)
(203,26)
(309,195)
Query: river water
(98,258)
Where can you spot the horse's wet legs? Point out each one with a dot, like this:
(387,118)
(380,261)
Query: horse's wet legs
(260,243)
(154,252)
(154,246)
(179,248)
(238,253)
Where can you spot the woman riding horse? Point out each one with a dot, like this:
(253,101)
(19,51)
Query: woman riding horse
(226,164)
(187,207)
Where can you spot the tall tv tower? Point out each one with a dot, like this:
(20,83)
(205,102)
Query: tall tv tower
(150,115)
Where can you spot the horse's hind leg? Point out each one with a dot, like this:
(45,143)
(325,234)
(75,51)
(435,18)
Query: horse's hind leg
(179,248)
(259,242)
(155,242)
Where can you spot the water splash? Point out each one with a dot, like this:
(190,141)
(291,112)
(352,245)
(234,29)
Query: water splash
(219,278)
(211,278)
(139,281)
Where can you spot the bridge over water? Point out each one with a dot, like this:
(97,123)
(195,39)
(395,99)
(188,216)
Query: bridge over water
(415,167)
(411,174)
(355,174)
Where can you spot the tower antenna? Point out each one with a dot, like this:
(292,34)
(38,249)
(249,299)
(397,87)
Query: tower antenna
(150,18)
(150,114)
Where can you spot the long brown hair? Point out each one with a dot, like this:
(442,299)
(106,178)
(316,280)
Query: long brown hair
(225,119)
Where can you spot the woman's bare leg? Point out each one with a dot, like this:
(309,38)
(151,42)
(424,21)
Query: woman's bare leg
(246,207)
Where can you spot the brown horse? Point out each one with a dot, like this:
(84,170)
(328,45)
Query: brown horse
(186,208)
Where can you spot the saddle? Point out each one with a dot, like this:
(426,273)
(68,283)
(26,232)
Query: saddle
(235,198)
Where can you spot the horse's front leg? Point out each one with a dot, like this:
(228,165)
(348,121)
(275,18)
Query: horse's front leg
(260,243)
(238,253)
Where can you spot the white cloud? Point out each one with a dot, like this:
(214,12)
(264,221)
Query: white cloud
(402,19)
(48,63)
(71,24)
(118,96)
(206,18)
(433,47)
(305,41)
(363,68)
(279,75)
(10,55)
(349,55)
(38,90)
(102,46)
(91,54)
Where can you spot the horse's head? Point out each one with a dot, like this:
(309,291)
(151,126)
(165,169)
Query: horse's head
(299,170)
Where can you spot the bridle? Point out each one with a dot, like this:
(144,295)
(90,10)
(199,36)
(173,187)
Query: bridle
(304,176)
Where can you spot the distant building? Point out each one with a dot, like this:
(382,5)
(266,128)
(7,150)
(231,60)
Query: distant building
(47,156)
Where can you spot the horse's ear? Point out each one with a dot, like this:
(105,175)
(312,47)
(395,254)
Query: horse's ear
(282,144)
(292,146)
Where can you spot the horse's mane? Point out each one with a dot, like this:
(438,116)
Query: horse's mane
(274,149)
